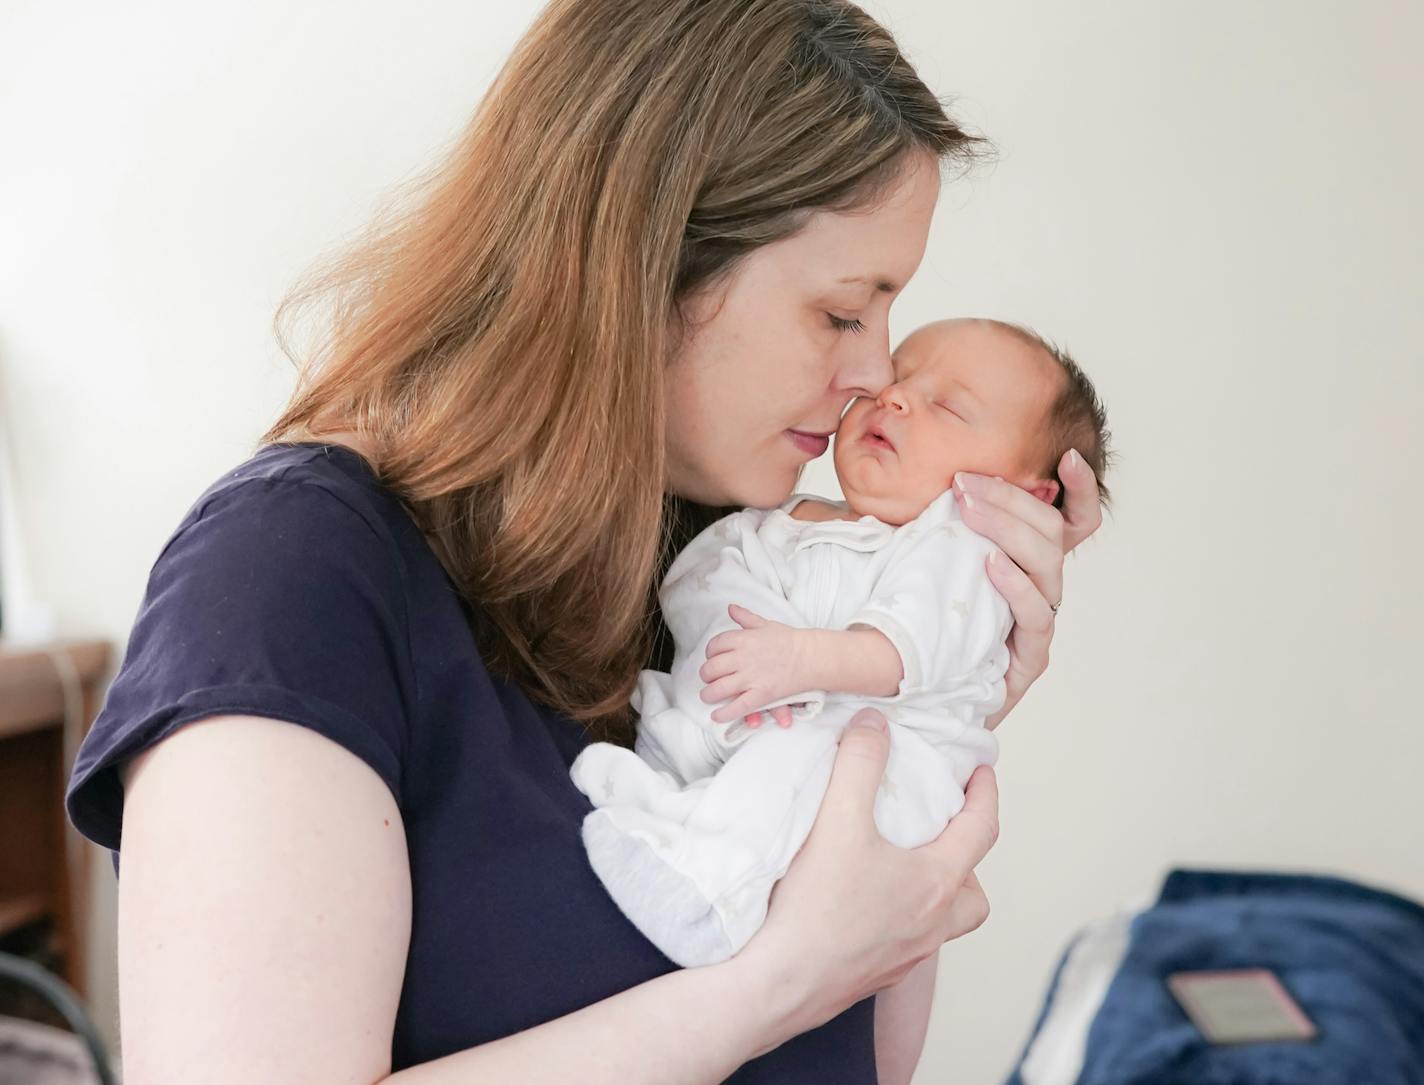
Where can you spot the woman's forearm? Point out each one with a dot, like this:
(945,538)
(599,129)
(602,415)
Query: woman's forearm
(902,1018)
(690,1027)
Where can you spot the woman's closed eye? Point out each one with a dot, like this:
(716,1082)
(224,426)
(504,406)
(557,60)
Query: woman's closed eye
(843,325)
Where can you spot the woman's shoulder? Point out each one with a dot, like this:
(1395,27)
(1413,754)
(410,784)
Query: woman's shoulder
(283,593)
(275,468)
(309,506)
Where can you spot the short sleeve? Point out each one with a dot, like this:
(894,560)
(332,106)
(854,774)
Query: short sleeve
(938,607)
(276,597)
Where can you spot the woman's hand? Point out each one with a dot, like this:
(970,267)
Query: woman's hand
(854,914)
(1035,536)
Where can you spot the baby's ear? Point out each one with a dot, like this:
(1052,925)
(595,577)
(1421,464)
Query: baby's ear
(1045,489)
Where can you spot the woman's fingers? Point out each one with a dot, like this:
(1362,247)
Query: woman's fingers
(1082,508)
(969,908)
(984,490)
(1031,611)
(1030,637)
(1031,534)
(971,832)
(855,777)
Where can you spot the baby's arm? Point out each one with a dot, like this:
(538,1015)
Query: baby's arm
(933,629)
(764,661)
(937,606)
(726,564)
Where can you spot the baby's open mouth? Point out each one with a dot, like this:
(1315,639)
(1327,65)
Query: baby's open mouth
(876,436)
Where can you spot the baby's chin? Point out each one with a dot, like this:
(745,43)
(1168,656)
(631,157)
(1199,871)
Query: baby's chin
(871,489)
(887,505)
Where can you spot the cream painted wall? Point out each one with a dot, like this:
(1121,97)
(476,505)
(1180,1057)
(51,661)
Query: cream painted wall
(1213,205)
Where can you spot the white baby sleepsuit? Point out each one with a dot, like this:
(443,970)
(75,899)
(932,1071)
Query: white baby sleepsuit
(691,831)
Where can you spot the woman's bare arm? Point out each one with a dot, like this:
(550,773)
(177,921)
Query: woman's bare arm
(264,922)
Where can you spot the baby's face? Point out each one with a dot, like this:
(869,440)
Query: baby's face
(967,396)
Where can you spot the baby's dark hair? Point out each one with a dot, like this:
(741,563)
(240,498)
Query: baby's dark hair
(1076,419)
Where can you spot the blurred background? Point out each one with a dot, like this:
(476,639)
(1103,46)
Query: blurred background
(1215,206)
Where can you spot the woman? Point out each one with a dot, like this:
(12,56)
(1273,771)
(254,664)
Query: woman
(642,288)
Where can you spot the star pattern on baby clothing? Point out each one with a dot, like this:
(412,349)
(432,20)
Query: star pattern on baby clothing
(896,599)
(722,530)
(703,573)
(887,785)
(951,531)
(960,607)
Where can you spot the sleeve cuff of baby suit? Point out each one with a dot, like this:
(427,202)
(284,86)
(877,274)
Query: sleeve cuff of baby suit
(806,705)
(903,643)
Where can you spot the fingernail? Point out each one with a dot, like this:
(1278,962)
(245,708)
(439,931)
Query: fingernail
(1074,459)
(994,558)
(965,480)
(968,501)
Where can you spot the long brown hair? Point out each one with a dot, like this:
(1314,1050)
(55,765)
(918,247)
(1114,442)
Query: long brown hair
(499,342)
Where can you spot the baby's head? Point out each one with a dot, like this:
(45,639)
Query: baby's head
(969,395)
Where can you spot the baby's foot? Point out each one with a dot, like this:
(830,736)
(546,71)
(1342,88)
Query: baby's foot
(662,902)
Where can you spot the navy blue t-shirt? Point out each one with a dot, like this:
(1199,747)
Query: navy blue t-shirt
(298,588)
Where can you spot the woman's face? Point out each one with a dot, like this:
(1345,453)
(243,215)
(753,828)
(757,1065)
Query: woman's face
(779,347)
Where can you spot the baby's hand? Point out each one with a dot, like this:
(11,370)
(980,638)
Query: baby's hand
(760,662)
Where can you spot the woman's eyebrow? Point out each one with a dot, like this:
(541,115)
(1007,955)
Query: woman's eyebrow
(885,286)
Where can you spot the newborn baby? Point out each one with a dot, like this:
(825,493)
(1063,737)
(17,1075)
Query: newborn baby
(813,610)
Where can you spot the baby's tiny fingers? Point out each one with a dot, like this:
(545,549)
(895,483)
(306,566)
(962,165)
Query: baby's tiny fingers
(722,689)
(737,709)
(718,667)
(782,715)
(722,642)
(744,617)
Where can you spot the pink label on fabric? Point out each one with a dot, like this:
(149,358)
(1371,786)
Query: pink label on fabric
(1245,1005)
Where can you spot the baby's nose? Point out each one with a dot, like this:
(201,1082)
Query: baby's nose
(892,398)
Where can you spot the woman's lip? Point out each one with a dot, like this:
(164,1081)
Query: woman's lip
(813,444)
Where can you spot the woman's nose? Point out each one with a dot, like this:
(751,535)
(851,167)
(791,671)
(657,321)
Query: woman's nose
(870,369)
